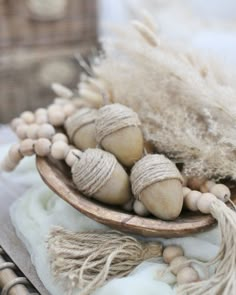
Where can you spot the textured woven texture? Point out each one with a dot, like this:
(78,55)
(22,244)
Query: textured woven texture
(114,117)
(93,170)
(152,169)
(79,119)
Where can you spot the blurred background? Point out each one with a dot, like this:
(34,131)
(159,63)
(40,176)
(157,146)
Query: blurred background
(40,39)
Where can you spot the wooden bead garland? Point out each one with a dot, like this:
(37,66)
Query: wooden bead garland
(179,265)
(118,132)
(42,147)
(156,182)
(80,128)
(97,173)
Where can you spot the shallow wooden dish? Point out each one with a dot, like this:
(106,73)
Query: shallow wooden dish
(58,177)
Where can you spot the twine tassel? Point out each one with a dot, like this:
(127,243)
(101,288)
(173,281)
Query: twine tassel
(223,280)
(87,260)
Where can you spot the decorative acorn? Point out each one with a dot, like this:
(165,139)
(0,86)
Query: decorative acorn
(98,174)
(80,128)
(118,132)
(156,182)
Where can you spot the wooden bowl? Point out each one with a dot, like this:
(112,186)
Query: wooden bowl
(58,177)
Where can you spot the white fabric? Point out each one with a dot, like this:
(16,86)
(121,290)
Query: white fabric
(39,209)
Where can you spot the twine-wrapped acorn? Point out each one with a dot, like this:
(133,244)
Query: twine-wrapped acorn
(80,128)
(157,183)
(98,174)
(118,132)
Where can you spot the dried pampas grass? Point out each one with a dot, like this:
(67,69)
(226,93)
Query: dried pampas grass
(187,105)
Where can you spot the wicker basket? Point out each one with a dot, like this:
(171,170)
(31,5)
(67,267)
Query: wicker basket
(37,47)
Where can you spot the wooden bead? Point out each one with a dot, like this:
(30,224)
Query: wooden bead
(221,191)
(28,117)
(40,112)
(46,131)
(27,147)
(69,109)
(32,131)
(186,191)
(187,275)
(56,118)
(60,137)
(205,201)
(14,153)
(190,201)
(8,165)
(206,186)
(195,182)
(140,209)
(178,263)
(41,119)
(71,157)
(54,108)
(16,123)
(42,147)
(59,150)
(170,252)
(21,131)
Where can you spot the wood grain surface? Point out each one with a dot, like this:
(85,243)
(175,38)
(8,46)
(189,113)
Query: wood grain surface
(57,176)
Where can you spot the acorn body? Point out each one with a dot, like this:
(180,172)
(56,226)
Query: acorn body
(127,151)
(80,128)
(164,199)
(156,182)
(98,174)
(118,131)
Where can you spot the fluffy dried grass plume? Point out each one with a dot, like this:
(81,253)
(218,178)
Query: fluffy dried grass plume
(187,105)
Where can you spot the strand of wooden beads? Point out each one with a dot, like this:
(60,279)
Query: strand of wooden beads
(221,191)
(179,265)
(192,197)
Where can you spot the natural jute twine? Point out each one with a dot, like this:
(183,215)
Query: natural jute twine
(223,281)
(151,169)
(93,170)
(79,119)
(114,117)
(88,260)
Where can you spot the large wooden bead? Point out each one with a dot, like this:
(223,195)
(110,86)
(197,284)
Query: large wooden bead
(16,123)
(21,131)
(71,157)
(27,147)
(140,209)
(42,147)
(56,118)
(28,117)
(178,263)
(46,131)
(156,182)
(206,186)
(205,201)
(32,131)
(59,150)
(97,174)
(221,191)
(7,164)
(171,252)
(80,128)
(14,153)
(195,182)
(190,201)
(60,137)
(187,275)
(118,132)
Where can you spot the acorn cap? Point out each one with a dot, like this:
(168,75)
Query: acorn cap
(92,170)
(114,117)
(82,117)
(152,169)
